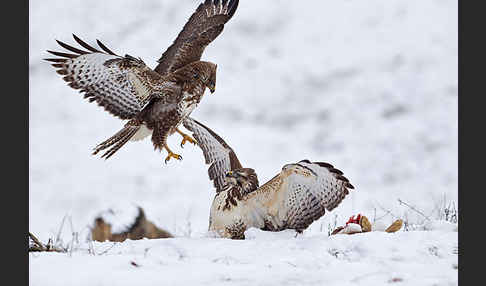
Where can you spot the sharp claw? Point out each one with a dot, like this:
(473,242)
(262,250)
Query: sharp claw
(172,155)
(187,138)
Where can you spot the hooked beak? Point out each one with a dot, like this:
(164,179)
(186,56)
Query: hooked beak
(212,89)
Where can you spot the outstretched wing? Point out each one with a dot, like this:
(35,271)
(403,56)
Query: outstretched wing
(303,199)
(217,153)
(307,199)
(205,24)
(109,79)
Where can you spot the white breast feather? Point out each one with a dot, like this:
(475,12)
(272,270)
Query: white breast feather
(142,133)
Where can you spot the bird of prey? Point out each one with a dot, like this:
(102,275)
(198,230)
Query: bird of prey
(298,195)
(154,102)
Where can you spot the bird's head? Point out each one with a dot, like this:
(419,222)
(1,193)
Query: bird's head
(245,179)
(211,78)
(206,72)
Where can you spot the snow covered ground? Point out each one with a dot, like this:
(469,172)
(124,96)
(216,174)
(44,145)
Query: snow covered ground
(369,86)
(265,258)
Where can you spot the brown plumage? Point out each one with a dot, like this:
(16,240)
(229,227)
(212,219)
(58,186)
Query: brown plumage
(204,25)
(297,196)
(154,101)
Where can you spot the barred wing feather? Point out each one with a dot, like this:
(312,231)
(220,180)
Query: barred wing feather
(110,80)
(331,186)
(217,153)
(302,201)
(204,25)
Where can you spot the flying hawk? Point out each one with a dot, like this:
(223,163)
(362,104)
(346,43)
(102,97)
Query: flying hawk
(298,195)
(154,101)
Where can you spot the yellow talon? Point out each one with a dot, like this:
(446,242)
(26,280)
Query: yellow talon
(186,138)
(171,155)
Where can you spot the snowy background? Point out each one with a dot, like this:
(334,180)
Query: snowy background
(368,86)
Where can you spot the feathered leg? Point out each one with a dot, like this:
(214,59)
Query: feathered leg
(116,141)
(159,139)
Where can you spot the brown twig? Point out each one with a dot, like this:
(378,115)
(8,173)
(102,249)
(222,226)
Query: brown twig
(36,240)
(38,246)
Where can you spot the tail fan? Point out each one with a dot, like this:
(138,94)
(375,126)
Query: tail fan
(115,142)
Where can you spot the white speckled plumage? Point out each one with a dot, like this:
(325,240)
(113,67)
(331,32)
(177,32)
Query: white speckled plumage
(293,199)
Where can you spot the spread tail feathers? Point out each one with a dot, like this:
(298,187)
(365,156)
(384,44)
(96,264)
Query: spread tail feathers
(115,142)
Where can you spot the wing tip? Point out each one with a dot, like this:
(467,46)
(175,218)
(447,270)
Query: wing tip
(104,48)
(232,5)
(55,60)
(85,45)
(71,48)
(63,55)
(324,165)
(338,173)
(232,8)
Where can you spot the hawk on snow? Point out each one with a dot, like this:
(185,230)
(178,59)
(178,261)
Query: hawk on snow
(298,195)
(154,101)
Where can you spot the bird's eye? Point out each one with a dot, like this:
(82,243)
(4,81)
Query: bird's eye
(196,75)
